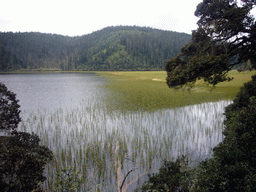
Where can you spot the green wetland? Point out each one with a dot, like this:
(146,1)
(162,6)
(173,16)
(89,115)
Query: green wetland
(104,125)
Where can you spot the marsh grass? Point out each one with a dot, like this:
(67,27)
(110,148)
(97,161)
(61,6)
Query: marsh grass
(138,125)
(105,146)
(148,90)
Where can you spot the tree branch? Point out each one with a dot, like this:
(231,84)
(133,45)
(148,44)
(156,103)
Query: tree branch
(121,187)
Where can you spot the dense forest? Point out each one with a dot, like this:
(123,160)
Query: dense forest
(112,48)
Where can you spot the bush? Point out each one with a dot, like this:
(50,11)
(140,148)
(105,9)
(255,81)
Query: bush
(172,176)
(233,167)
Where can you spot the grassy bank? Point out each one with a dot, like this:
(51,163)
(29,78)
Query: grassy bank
(147,90)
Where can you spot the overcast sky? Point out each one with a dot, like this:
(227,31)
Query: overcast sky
(79,17)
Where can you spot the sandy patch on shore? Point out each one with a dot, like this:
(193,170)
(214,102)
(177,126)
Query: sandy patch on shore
(155,79)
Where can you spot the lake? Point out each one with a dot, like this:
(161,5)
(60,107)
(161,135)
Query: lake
(69,113)
(52,91)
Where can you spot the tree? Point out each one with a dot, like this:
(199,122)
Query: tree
(9,109)
(22,159)
(22,162)
(225,38)
(233,167)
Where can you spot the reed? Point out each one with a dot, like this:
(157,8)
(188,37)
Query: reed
(84,140)
(143,124)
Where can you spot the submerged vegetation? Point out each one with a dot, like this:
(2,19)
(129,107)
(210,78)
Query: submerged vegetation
(103,147)
(102,141)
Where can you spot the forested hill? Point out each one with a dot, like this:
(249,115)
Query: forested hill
(112,48)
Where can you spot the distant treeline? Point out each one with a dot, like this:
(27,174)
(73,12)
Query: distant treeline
(112,48)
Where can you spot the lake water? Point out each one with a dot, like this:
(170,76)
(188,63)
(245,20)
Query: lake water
(52,91)
(69,113)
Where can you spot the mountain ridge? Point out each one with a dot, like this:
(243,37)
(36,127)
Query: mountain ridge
(111,48)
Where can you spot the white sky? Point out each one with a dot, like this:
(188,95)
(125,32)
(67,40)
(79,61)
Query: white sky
(79,17)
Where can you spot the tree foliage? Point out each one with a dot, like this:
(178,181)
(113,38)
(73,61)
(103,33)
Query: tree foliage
(112,48)
(9,109)
(68,180)
(225,38)
(171,177)
(232,167)
(22,158)
(8,61)
(22,162)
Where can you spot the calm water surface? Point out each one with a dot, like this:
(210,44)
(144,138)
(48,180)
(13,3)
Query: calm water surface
(68,113)
(53,91)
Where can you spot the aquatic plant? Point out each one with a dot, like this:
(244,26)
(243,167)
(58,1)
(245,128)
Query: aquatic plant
(97,143)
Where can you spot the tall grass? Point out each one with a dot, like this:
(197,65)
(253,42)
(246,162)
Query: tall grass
(98,143)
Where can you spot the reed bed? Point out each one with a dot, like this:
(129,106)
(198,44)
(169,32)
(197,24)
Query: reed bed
(93,141)
(138,124)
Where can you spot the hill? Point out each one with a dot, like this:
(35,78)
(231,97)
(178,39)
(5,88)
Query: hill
(112,48)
